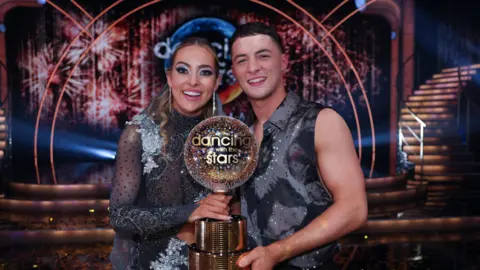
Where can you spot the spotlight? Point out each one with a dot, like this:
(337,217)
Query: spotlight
(359,3)
(3,28)
(41,2)
(393,35)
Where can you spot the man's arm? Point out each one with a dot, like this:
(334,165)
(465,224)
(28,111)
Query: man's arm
(342,175)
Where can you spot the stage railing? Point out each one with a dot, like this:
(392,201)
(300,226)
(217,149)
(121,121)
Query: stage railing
(4,122)
(419,138)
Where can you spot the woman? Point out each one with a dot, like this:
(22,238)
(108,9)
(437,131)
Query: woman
(154,200)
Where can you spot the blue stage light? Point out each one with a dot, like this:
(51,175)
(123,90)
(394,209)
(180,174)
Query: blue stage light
(359,3)
(393,35)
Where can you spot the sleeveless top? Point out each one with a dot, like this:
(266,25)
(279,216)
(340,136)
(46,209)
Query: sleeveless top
(153,195)
(286,192)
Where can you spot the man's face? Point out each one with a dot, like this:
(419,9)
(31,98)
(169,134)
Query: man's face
(258,65)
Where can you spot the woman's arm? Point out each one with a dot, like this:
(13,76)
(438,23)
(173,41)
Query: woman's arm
(124,215)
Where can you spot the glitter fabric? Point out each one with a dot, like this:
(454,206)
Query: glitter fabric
(286,193)
(221,153)
(152,142)
(172,258)
(153,194)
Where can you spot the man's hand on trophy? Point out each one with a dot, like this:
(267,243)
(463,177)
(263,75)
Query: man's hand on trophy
(260,258)
(214,206)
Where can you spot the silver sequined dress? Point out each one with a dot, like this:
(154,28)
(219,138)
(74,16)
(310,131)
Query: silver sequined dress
(153,195)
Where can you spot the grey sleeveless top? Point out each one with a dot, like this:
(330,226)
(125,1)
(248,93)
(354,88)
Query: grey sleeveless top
(286,193)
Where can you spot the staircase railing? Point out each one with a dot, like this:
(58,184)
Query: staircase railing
(3,70)
(419,137)
(4,120)
(4,126)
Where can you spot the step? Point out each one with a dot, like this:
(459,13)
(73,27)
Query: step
(435,204)
(437,199)
(431,131)
(453,178)
(436,159)
(387,182)
(57,237)
(449,79)
(55,192)
(444,187)
(34,221)
(428,92)
(428,116)
(393,197)
(438,103)
(454,74)
(448,123)
(412,213)
(438,85)
(433,97)
(416,184)
(388,211)
(428,140)
(438,193)
(448,168)
(62,206)
(435,149)
(470,67)
(431,110)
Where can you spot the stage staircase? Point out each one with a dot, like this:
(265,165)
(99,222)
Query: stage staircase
(430,134)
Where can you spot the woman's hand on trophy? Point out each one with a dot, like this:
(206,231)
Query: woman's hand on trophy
(214,206)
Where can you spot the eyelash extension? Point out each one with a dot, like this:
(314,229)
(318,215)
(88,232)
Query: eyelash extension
(206,70)
(181,69)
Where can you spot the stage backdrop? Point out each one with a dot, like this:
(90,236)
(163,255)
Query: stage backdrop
(109,73)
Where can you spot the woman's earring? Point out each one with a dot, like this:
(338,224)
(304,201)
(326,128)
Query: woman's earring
(170,99)
(213,98)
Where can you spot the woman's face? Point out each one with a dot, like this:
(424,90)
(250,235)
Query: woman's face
(192,79)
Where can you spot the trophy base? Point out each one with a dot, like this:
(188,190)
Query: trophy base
(221,237)
(200,260)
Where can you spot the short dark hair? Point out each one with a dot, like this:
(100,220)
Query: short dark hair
(256,28)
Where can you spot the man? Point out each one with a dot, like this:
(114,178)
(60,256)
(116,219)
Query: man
(308,189)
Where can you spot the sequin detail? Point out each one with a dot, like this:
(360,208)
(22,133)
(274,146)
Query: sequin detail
(141,221)
(285,193)
(152,142)
(149,204)
(172,258)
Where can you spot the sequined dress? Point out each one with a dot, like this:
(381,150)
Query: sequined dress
(153,195)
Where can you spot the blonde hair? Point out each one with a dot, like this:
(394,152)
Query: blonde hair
(159,109)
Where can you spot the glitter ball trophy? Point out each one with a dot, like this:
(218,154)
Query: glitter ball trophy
(221,154)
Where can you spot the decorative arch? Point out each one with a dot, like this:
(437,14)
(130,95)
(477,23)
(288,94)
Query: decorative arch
(5,6)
